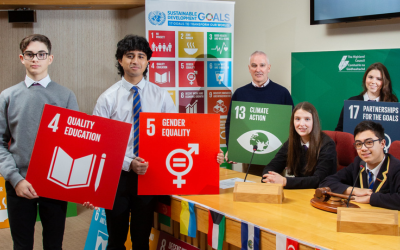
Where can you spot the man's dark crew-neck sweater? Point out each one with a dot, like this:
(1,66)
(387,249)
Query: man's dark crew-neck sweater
(273,93)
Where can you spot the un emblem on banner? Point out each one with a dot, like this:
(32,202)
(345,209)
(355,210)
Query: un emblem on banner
(157,17)
(265,141)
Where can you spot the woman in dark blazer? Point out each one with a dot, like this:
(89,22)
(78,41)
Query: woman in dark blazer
(377,87)
(309,155)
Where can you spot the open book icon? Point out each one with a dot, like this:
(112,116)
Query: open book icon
(162,78)
(71,173)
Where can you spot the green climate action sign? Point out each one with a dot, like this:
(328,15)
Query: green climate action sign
(264,125)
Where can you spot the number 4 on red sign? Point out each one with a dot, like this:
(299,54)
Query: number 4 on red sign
(54,123)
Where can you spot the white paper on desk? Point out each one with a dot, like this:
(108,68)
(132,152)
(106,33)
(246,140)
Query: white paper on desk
(230,183)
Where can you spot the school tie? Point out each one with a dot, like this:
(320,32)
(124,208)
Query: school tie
(137,108)
(305,148)
(371,100)
(370,180)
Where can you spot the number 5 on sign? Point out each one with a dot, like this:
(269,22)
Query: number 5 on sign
(151,128)
(54,123)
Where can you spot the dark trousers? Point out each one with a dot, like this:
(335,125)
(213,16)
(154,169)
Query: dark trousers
(22,214)
(141,210)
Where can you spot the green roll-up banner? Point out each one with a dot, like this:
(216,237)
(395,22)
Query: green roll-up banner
(327,78)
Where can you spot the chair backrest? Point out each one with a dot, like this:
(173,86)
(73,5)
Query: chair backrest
(344,147)
(395,149)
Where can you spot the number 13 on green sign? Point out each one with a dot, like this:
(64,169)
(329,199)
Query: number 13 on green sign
(240,112)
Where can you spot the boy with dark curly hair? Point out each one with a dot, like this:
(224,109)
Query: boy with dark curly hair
(123,101)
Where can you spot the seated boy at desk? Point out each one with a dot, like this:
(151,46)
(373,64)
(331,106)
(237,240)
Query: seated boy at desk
(379,180)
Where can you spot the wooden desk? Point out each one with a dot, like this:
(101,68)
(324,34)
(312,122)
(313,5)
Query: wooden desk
(295,217)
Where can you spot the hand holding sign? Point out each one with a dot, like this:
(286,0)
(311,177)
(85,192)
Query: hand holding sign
(139,166)
(24,189)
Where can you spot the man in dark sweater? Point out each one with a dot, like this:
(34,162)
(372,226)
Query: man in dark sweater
(260,90)
(21,109)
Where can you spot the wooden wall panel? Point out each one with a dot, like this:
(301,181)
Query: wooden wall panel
(11,69)
(135,23)
(71,4)
(84,44)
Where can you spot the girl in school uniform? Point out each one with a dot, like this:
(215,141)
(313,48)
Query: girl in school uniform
(308,156)
(377,87)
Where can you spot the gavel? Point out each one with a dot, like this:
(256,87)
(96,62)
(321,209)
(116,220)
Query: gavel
(324,194)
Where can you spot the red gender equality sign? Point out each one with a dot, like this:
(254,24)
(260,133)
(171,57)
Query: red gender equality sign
(182,153)
(78,157)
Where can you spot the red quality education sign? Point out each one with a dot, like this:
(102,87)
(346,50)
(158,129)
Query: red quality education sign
(78,157)
(182,153)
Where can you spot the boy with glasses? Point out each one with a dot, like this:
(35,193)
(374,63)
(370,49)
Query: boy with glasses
(21,109)
(379,180)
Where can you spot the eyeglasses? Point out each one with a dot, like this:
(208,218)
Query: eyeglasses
(369,143)
(39,55)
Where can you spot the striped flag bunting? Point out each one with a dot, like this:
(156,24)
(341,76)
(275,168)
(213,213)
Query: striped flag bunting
(250,236)
(284,243)
(249,240)
(216,229)
(188,224)
(164,210)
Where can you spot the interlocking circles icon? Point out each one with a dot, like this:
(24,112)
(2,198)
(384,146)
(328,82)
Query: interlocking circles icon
(181,163)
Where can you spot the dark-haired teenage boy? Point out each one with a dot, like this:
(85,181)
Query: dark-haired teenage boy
(123,101)
(379,180)
(21,109)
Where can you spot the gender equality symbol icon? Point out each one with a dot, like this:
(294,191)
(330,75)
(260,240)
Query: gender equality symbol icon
(181,163)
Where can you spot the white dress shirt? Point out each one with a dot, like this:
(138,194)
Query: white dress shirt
(366,98)
(302,144)
(262,86)
(44,82)
(117,103)
(375,171)
(307,143)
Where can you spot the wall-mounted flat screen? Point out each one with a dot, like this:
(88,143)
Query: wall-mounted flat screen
(338,11)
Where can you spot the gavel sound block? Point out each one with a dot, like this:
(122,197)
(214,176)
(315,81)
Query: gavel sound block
(368,221)
(325,200)
(258,192)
